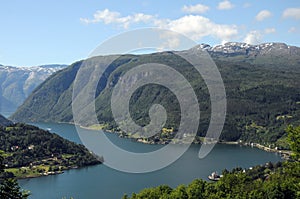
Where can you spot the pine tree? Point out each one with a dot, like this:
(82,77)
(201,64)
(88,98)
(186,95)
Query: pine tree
(9,188)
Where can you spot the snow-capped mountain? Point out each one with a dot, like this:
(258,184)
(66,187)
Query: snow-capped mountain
(273,55)
(237,48)
(16,83)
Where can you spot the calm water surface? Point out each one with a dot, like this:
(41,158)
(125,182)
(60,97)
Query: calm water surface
(103,182)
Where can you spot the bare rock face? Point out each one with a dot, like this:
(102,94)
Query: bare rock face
(16,83)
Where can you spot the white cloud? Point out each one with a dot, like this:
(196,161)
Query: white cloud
(195,9)
(225,5)
(291,13)
(109,17)
(193,26)
(171,41)
(197,27)
(269,30)
(253,37)
(256,36)
(262,15)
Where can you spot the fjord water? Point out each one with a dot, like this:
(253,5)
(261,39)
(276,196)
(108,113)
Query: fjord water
(103,182)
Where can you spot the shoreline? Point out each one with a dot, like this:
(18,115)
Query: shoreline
(39,175)
(45,174)
(284,153)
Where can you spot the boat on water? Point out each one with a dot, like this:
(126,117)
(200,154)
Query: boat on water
(214,176)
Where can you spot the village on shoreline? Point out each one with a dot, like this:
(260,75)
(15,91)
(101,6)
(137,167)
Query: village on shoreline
(167,136)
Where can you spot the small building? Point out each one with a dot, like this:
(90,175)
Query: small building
(14,148)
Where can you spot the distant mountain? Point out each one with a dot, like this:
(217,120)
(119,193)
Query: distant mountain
(261,81)
(236,48)
(278,54)
(16,83)
(4,121)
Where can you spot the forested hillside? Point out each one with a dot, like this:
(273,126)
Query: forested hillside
(29,151)
(261,82)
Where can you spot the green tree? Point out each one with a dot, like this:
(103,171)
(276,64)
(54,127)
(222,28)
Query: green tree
(1,164)
(9,188)
(179,193)
(196,189)
(273,190)
(294,141)
(125,196)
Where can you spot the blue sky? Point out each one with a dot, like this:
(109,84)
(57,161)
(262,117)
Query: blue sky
(44,32)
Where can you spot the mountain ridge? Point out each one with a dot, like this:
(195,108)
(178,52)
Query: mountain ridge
(274,53)
(262,93)
(244,48)
(16,83)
